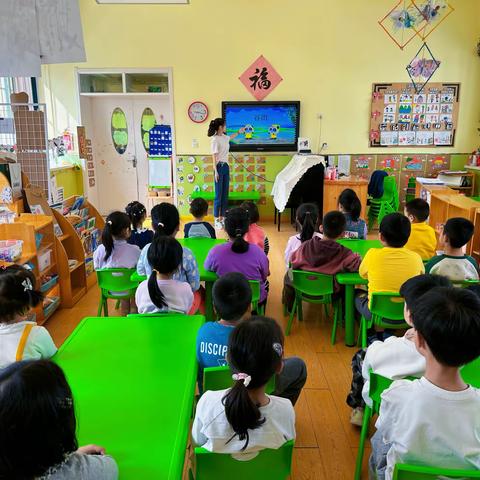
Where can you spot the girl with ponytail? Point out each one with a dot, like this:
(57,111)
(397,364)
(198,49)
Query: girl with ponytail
(160,292)
(220,146)
(115,252)
(138,214)
(244,419)
(165,223)
(238,255)
(20,337)
(349,204)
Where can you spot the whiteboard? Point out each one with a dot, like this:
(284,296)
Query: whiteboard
(160,172)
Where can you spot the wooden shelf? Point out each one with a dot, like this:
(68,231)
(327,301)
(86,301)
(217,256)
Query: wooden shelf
(63,237)
(78,265)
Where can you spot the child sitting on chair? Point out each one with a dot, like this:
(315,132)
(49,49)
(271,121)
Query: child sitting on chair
(389,267)
(434,421)
(115,252)
(138,214)
(160,292)
(232,297)
(199,228)
(453,263)
(394,358)
(20,338)
(323,255)
(423,239)
(243,420)
(349,204)
(255,234)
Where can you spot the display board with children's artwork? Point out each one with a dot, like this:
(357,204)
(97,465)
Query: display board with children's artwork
(362,165)
(392,163)
(402,118)
(436,163)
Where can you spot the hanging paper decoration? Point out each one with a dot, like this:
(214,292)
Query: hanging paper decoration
(260,78)
(401,21)
(433,13)
(421,68)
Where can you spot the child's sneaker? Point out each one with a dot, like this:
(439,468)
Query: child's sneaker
(356,418)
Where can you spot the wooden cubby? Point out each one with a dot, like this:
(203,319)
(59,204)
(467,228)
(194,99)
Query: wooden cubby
(25,228)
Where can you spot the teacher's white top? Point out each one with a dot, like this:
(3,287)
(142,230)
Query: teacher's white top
(221,146)
(290,175)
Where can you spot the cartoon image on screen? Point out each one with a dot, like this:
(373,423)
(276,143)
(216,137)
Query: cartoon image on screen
(266,126)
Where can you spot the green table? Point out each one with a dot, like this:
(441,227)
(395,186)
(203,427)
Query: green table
(233,196)
(200,248)
(133,384)
(350,280)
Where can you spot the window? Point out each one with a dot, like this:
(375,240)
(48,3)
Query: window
(119,130)
(148,122)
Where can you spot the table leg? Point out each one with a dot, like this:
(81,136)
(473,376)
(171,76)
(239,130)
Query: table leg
(209,302)
(349,316)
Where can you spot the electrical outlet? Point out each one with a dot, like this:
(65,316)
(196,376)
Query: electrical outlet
(194,143)
(324,145)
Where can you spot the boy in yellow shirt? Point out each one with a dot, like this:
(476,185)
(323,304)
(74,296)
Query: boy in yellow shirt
(422,237)
(389,267)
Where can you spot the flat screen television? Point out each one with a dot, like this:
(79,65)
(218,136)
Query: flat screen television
(269,126)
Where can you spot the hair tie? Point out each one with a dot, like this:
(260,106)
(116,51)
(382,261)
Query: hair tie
(109,222)
(160,224)
(238,232)
(242,376)
(27,285)
(278,349)
(308,213)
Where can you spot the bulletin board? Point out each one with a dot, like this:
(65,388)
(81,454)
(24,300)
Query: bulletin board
(402,118)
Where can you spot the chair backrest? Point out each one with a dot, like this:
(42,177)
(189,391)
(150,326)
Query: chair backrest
(269,463)
(390,191)
(312,283)
(387,305)
(220,378)
(471,373)
(405,471)
(255,286)
(116,279)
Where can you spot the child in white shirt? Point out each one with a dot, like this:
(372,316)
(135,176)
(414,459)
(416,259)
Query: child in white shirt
(243,420)
(434,421)
(160,292)
(21,339)
(115,252)
(394,358)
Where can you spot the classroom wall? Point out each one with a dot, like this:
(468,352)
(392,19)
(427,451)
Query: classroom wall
(70,179)
(328,52)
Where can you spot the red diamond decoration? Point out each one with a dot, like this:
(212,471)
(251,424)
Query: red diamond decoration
(260,78)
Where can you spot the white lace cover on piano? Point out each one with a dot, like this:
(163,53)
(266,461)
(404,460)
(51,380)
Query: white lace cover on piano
(290,175)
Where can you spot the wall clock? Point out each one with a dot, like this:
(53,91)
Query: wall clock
(198,112)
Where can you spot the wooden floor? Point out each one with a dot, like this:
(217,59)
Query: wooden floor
(326,444)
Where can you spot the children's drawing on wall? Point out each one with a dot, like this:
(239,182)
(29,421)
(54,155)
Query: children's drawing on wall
(413,163)
(388,162)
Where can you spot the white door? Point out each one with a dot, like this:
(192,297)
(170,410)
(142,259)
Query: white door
(118,138)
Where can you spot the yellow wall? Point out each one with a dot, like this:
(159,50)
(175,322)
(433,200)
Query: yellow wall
(71,180)
(329,52)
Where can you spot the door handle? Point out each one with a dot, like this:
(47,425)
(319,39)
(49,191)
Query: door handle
(133,161)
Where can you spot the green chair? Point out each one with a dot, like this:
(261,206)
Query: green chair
(471,373)
(316,288)
(377,385)
(388,203)
(269,463)
(383,305)
(255,286)
(220,378)
(405,471)
(115,283)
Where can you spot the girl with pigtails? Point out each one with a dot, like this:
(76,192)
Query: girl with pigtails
(243,420)
(238,255)
(115,252)
(20,337)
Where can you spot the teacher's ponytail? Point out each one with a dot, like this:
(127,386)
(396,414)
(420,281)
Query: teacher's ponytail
(214,126)
(237,223)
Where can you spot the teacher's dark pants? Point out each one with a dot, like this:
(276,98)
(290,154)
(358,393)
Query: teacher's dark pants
(221,190)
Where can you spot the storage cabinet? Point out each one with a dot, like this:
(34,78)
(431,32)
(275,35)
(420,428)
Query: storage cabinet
(475,252)
(333,188)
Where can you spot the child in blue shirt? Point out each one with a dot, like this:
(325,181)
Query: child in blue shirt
(232,296)
(199,228)
(349,204)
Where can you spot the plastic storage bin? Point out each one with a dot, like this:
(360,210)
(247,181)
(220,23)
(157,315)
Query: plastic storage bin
(44,260)
(49,284)
(10,250)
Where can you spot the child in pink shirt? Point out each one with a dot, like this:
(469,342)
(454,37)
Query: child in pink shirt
(255,235)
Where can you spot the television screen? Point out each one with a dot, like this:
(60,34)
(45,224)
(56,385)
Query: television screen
(269,126)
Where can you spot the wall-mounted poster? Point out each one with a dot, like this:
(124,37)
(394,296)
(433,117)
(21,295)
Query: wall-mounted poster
(402,118)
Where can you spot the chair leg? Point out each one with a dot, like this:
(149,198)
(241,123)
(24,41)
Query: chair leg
(363,332)
(290,318)
(117,305)
(100,307)
(367,415)
(105,307)
(336,311)
(299,308)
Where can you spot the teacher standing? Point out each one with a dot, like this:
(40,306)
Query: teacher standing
(220,151)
